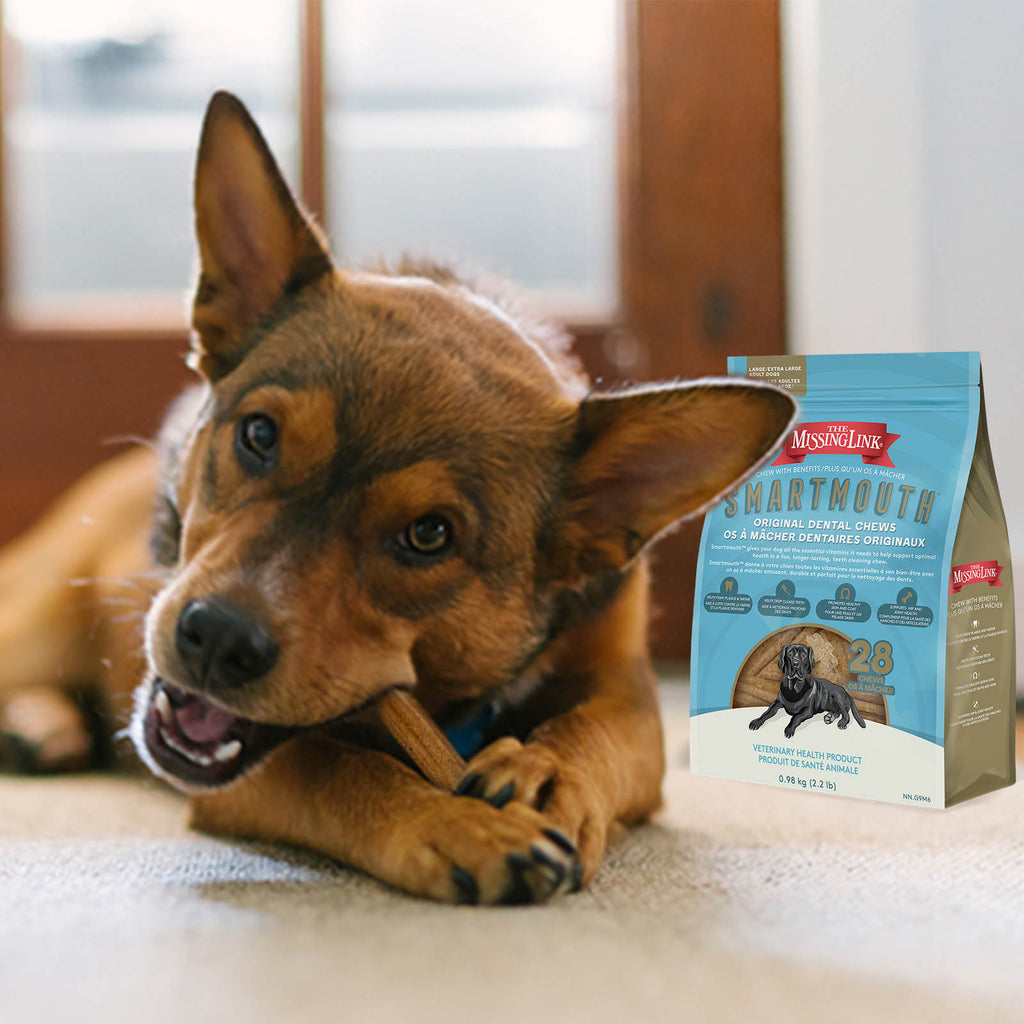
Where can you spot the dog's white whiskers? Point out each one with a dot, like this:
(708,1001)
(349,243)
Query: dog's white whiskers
(127,617)
(109,601)
(129,580)
(142,442)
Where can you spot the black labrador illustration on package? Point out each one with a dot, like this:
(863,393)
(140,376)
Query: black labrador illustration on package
(803,696)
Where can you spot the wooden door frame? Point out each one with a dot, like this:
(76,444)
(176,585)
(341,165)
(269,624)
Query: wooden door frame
(701,258)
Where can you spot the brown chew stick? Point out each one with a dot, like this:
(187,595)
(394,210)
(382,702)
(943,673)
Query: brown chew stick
(421,738)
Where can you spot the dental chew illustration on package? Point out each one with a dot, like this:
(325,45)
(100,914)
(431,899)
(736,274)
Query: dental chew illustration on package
(853,621)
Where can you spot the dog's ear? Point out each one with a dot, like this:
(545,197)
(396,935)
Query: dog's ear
(255,245)
(648,457)
(782,657)
(810,659)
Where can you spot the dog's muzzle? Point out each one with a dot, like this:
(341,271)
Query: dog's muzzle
(189,739)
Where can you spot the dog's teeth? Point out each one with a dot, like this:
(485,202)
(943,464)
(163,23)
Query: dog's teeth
(227,751)
(199,757)
(163,705)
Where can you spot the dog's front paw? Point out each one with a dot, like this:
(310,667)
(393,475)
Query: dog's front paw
(509,773)
(507,770)
(790,730)
(43,731)
(475,853)
(756,724)
(433,844)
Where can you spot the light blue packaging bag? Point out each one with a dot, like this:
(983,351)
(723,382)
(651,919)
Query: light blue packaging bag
(853,622)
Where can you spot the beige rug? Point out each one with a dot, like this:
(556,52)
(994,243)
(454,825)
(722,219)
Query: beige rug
(743,903)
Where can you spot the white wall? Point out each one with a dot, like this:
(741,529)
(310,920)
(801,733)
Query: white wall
(904,127)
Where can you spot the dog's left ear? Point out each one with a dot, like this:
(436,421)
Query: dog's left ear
(651,456)
(256,247)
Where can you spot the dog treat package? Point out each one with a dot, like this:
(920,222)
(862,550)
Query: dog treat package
(853,623)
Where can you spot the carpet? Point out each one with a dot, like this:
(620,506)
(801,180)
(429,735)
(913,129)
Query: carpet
(740,902)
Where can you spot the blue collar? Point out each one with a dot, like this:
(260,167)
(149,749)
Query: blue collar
(467,736)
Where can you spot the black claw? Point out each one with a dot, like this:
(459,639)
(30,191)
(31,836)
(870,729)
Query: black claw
(518,890)
(466,889)
(577,877)
(561,840)
(470,782)
(544,795)
(503,795)
(554,866)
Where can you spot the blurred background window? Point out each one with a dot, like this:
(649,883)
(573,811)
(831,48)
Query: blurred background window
(482,132)
(103,106)
(478,131)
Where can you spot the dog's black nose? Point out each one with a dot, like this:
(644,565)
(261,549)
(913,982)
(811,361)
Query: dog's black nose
(222,645)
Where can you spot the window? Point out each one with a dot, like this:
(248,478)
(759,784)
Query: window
(101,121)
(481,131)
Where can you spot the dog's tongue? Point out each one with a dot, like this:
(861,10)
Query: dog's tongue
(202,722)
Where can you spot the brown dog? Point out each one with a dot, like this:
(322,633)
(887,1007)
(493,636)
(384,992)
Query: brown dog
(383,481)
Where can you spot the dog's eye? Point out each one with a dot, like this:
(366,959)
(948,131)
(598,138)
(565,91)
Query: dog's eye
(257,436)
(429,535)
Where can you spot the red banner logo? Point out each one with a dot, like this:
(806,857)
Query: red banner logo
(870,441)
(975,572)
